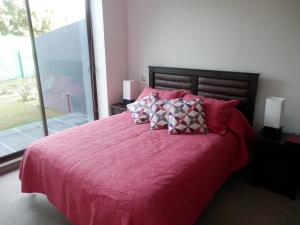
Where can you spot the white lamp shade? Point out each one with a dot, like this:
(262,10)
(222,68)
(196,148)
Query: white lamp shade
(273,112)
(130,89)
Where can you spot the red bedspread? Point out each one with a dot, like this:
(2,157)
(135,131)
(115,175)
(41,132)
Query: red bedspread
(112,172)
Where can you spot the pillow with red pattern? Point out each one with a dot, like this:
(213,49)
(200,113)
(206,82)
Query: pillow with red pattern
(159,114)
(216,111)
(186,117)
(140,109)
(163,94)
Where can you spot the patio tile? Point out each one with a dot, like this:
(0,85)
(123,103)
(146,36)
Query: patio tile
(35,132)
(77,114)
(76,121)
(82,116)
(16,141)
(20,137)
(4,150)
(65,117)
(29,126)
(5,133)
(57,125)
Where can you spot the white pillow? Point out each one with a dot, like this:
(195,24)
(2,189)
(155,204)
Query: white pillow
(140,109)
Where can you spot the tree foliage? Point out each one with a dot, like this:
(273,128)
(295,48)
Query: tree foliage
(13,19)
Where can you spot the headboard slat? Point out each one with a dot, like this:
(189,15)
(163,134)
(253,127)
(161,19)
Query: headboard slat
(223,82)
(210,83)
(171,77)
(164,88)
(173,84)
(223,97)
(223,90)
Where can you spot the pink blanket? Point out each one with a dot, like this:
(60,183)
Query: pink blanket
(113,172)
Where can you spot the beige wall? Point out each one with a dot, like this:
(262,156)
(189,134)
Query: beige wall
(260,36)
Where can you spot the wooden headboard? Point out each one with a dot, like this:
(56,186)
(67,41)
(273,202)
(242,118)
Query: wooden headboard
(210,83)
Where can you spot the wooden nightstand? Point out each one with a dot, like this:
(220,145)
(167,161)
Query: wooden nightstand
(276,165)
(118,108)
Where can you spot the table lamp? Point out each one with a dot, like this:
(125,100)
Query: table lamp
(130,91)
(273,116)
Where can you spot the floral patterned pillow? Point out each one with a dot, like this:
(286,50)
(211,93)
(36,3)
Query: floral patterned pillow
(186,117)
(140,108)
(159,114)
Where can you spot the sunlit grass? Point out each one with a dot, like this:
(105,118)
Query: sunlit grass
(15,112)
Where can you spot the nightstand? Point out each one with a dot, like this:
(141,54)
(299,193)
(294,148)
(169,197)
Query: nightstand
(118,108)
(276,165)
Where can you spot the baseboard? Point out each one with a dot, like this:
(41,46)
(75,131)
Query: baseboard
(9,166)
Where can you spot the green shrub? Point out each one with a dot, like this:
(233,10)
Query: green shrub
(24,89)
(3,88)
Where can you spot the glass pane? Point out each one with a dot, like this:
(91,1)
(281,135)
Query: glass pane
(20,116)
(63,57)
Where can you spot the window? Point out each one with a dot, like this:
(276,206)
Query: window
(46,81)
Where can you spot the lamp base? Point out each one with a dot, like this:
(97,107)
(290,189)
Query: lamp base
(272,133)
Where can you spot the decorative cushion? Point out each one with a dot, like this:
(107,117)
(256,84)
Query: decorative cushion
(159,114)
(216,111)
(163,94)
(140,108)
(186,117)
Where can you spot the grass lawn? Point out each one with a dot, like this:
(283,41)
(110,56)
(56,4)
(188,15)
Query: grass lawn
(14,112)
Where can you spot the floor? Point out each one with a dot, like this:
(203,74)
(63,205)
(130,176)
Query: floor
(18,138)
(237,203)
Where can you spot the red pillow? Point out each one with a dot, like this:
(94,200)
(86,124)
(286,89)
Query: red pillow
(192,96)
(216,111)
(147,91)
(163,94)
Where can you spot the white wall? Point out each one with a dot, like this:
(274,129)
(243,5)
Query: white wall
(239,35)
(115,33)
(260,36)
(100,58)
(110,40)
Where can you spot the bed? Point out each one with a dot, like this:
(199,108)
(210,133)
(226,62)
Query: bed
(113,172)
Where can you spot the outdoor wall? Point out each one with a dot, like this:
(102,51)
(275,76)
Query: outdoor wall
(64,68)
(261,36)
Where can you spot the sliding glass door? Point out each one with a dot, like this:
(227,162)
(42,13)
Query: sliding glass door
(20,110)
(60,34)
(46,86)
